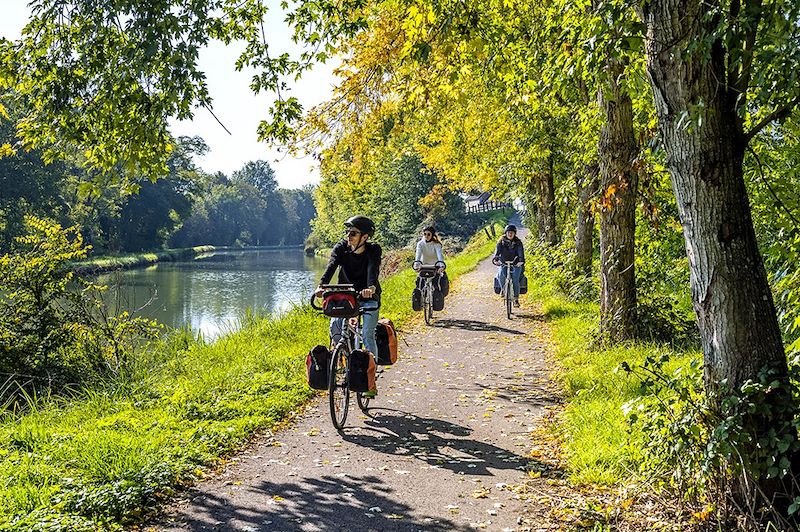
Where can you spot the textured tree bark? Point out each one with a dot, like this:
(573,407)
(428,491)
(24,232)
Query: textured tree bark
(705,145)
(587,185)
(730,292)
(618,186)
(546,212)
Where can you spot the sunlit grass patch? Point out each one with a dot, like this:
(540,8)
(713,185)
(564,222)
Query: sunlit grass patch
(597,440)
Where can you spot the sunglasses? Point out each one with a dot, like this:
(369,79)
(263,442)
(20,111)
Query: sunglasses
(352,232)
(427,234)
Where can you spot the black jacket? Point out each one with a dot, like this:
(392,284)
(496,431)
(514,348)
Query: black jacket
(359,269)
(509,250)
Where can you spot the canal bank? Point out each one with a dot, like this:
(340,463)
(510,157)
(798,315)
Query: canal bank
(106,263)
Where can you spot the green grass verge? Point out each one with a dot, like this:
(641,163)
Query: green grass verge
(108,456)
(135,260)
(598,445)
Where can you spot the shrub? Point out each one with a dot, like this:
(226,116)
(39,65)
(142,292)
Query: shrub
(54,324)
(698,446)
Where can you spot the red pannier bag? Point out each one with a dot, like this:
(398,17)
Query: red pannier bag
(340,304)
(386,338)
(318,361)
(362,371)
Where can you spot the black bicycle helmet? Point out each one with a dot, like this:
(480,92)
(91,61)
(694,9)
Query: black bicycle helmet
(510,227)
(362,223)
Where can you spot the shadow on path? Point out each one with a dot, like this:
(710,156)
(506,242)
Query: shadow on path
(317,504)
(473,325)
(439,443)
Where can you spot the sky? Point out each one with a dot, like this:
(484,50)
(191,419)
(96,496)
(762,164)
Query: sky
(233,102)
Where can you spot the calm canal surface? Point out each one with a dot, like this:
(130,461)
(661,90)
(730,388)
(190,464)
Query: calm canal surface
(211,294)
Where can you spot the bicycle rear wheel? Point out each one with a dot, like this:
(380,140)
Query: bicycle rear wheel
(339,387)
(363,402)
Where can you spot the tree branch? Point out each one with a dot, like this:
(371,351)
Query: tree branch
(777,114)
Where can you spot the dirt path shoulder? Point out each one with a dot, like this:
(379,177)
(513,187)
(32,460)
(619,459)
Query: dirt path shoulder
(447,438)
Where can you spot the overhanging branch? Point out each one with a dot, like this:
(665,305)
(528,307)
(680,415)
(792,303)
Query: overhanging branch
(777,114)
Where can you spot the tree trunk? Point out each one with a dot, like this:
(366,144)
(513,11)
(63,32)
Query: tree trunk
(584,232)
(618,184)
(546,211)
(705,145)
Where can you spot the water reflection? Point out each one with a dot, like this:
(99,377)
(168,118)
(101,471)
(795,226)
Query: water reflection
(210,294)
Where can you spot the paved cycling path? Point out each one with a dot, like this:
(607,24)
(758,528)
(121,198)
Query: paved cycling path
(447,445)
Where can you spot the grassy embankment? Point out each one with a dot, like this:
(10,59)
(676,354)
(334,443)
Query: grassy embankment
(597,441)
(109,455)
(135,260)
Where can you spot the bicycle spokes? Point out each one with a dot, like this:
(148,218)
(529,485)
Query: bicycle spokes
(338,387)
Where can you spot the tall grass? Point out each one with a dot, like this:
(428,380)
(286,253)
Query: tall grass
(598,445)
(107,456)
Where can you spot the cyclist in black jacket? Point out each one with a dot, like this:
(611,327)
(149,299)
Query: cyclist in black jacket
(509,248)
(359,262)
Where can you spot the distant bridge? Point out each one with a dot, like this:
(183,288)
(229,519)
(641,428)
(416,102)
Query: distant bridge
(487,206)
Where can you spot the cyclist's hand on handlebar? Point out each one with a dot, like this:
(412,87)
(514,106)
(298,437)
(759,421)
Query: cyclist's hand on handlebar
(367,293)
(318,292)
(416,265)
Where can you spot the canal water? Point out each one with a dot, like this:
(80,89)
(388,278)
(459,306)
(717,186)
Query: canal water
(211,294)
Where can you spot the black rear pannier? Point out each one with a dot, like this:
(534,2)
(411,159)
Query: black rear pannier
(497,287)
(317,362)
(438,300)
(362,371)
(444,284)
(523,284)
(416,299)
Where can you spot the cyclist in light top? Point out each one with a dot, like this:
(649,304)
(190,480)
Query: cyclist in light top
(359,263)
(509,248)
(429,253)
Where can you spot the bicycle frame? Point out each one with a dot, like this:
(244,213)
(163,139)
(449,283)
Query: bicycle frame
(427,273)
(508,287)
(339,369)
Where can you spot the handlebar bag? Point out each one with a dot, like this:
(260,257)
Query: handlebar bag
(339,304)
(317,362)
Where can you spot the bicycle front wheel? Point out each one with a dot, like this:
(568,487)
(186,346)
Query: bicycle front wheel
(339,387)
(508,301)
(428,307)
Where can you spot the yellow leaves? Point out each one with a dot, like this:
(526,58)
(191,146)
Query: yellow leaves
(6,150)
(481,493)
(703,514)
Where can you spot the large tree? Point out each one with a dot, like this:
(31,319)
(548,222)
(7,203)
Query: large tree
(721,73)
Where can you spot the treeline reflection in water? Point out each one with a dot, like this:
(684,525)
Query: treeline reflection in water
(210,295)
